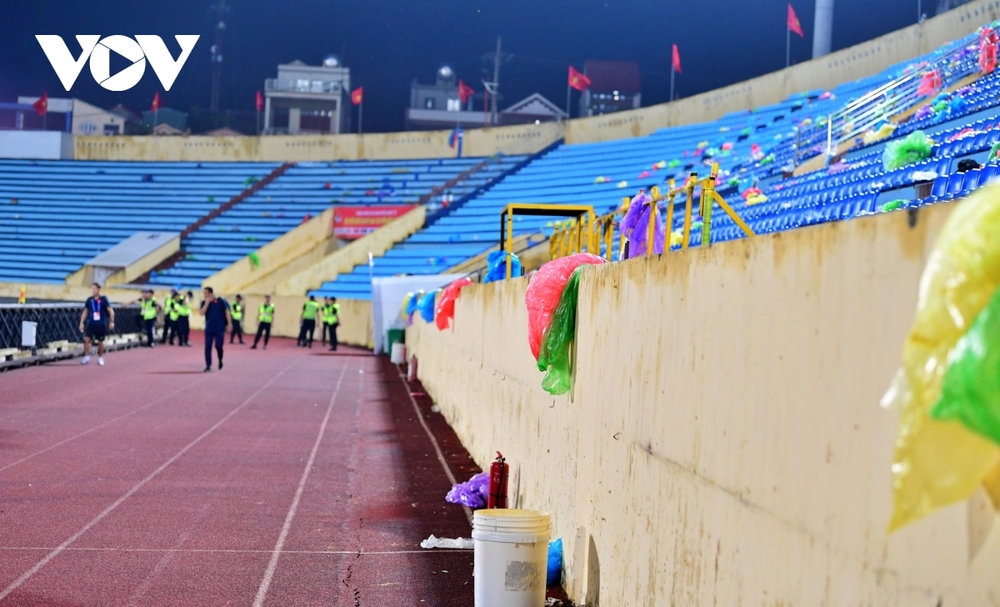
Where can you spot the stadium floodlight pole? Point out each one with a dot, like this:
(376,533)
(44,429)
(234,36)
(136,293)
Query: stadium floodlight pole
(361,116)
(673,73)
(496,81)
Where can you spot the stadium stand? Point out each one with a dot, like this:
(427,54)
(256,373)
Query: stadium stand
(752,148)
(308,189)
(60,214)
(56,215)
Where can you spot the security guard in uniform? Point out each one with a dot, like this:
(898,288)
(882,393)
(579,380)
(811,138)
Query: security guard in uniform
(149,309)
(169,318)
(265,316)
(175,318)
(236,315)
(331,320)
(183,307)
(308,322)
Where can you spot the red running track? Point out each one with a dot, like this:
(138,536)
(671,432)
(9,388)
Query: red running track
(291,477)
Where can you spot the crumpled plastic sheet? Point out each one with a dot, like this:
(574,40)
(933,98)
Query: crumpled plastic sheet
(544,291)
(496,266)
(635,227)
(553,573)
(938,463)
(472,493)
(462,543)
(411,306)
(445,311)
(970,392)
(913,148)
(554,358)
(426,305)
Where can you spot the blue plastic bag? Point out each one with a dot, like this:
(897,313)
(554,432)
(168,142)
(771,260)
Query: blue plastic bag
(553,575)
(426,306)
(496,266)
(411,306)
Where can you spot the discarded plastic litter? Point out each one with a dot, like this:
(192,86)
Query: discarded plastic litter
(938,463)
(544,291)
(970,391)
(426,305)
(446,305)
(554,357)
(462,543)
(471,493)
(496,266)
(554,575)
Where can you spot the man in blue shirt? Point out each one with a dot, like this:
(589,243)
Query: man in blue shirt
(97,318)
(217,321)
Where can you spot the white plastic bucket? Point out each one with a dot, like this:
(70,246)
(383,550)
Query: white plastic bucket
(511,557)
(398,355)
(29,330)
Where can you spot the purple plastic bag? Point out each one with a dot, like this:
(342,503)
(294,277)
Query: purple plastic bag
(471,493)
(635,227)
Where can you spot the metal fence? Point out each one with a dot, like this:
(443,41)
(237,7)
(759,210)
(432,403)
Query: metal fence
(57,322)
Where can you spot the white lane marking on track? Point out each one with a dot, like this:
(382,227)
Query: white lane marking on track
(430,435)
(99,426)
(104,513)
(272,565)
(235,550)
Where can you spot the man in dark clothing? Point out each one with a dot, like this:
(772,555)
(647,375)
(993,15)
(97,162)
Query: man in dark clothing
(217,320)
(236,313)
(97,319)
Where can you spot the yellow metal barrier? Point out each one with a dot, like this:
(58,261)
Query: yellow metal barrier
(583,232)
(576,237)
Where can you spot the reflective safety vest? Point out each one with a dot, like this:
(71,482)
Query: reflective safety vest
(309,310)
(168,306)
(149,309)
(184,307)
(175,308)
(236,311)
(266,313)
(331,314)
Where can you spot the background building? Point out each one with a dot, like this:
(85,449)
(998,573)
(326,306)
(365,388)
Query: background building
(614,86)
(73,116)
(307,99)
(438,106)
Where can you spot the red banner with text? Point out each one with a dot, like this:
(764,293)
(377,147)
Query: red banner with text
(350,223)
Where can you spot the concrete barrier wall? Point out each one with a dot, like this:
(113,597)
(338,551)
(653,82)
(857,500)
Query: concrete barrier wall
(355,253)
(526,139)
(723,443)
(355,319)
(290,252)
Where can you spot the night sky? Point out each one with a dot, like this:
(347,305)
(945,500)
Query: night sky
(388,43)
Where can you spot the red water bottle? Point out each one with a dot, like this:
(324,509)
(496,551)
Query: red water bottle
(499,471)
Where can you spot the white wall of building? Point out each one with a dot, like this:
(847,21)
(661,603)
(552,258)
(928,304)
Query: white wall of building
(36,145)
